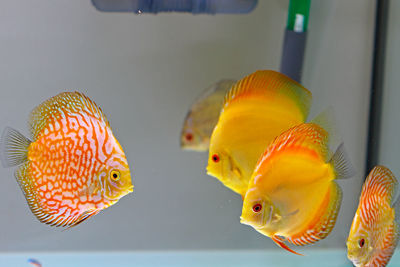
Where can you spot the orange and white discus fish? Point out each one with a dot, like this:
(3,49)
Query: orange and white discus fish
(74,167)
(292,193)
(374,232)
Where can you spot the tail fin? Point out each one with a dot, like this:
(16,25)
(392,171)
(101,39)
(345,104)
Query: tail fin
(341,163)
(13,148)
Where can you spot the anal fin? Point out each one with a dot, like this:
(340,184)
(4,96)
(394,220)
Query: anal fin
(43,214)
(390,240)
(24,181)
(323,222)
(83,217)
(278,240)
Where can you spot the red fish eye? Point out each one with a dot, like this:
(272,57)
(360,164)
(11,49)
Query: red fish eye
(215,158)
(361,242)
(189,137)
(257,208)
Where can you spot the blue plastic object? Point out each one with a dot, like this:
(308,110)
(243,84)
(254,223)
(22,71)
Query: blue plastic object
(294,45)
(294,42)
(191,6)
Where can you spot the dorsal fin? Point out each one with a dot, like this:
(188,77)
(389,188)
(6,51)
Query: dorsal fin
(380,181)
(271,84)
(323,222)
(62,104)
(306,135)
(220,87)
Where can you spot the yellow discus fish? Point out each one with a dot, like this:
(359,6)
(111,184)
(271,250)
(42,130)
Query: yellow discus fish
(292,193)
(74,167)
(374,233)
(203,116)
(256,110)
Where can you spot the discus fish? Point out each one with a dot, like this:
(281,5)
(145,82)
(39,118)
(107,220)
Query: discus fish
(256,110)
(74,167)
(292,193)
(203,116)
(374,233)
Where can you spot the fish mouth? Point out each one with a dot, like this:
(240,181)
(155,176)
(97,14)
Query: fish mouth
(118,197)
(354,260)
(210,173)
(128,191)
(243,221)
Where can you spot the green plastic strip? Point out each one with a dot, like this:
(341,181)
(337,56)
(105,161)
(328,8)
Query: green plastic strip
(298,15)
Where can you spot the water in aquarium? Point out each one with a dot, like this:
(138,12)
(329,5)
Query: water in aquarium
(199,133)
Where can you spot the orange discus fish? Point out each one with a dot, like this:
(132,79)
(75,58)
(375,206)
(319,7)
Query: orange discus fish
(374,233)
(257,108)
(292,193)
(74,167)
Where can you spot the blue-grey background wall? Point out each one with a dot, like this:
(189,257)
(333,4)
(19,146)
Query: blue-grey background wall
(389,145)
(144,71)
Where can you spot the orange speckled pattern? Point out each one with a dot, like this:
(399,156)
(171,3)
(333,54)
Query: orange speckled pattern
(68,176)
(375,217)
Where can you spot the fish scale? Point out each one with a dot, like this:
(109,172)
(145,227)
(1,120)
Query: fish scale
(55,136)
(67,177)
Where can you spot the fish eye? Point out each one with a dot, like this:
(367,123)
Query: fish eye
(115,175)
(257,207)
(189,137)
(215,158)
(361,242)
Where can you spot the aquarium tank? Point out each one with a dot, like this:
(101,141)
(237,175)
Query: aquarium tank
(199,133)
